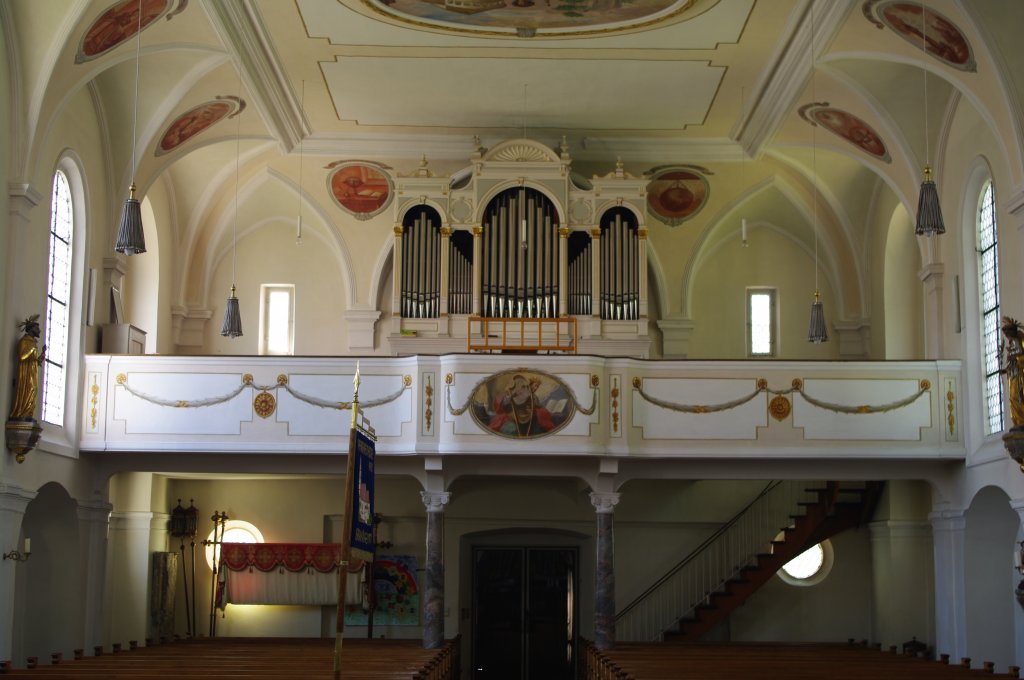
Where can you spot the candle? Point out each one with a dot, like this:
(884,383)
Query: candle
(28,545)
(298,228)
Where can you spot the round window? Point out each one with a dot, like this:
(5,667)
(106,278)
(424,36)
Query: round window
(235,531)
(809,567)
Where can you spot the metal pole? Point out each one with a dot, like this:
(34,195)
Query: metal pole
(346,527)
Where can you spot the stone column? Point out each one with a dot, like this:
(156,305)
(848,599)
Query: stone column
(128,585)
(433,588)
(93,521)
(13,502)
(948,529)
(902,582)
(604,591)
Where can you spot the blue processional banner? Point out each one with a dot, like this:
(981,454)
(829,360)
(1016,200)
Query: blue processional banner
(362,540)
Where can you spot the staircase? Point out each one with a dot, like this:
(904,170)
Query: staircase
(719,575)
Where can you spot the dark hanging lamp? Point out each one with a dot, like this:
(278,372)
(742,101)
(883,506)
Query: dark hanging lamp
(232,326)
(816,331)
(929,212)
(131,240)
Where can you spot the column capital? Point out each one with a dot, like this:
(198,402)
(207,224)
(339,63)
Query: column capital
(948,519)
(435,500)
(14,498)
(604,502)
(94,511)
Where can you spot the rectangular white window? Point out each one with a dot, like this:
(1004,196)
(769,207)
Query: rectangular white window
(277,319)
(762,329)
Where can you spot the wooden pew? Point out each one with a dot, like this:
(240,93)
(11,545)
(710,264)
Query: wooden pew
(766,661)
(262,658)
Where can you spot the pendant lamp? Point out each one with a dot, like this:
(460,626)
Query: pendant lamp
(232,327)
(929,212)
(131,240)
(816,331)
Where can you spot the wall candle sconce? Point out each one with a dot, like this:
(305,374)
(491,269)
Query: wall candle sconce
(20,556)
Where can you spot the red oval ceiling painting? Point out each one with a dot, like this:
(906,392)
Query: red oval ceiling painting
(197,119)
(848,126)
(924,28)
(361,188)
(120,22)
(676,194)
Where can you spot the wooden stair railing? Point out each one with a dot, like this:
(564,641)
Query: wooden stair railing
(820,520)
(729,566)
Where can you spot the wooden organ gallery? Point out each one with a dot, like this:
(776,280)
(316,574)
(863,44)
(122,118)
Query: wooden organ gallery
(519,236)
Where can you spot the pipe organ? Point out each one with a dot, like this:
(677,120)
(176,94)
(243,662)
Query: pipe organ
(460,273)
(620,280)
(421,264)
(517,234)
(520,268)
(580,273)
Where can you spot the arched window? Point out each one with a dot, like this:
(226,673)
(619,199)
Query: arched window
(988,287)
(58,300)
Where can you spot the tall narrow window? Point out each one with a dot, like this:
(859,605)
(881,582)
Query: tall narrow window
(988,285)
(277,319)
(58,298)
(761,326)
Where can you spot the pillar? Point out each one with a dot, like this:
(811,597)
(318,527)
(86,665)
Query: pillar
(13,502)
(901,584)
(948,534)
(433,589)
(604,591)
(396,282)
(563,271)
(93,522)
(478,268)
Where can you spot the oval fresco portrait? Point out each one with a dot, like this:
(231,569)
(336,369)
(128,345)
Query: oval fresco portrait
(926,29)
(532,18)
(675,195)
(848,126)
(197,119)
(522,404)
(360,188)
(119,22)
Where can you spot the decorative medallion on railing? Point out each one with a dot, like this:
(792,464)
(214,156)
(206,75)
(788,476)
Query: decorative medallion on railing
(522,403)
(265,402)
(779,411)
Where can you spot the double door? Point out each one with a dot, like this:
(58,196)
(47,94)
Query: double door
(524,613)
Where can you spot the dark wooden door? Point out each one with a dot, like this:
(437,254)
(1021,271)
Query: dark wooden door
(524,613)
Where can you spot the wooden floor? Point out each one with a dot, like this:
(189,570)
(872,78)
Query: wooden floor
(263,658)
(768,661)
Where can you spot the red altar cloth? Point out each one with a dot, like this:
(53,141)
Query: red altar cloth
(323,557)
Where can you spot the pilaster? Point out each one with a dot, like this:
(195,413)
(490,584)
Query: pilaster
(13,502)
(950,597)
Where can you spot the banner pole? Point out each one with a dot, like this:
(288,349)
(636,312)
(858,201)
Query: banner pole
(346,527)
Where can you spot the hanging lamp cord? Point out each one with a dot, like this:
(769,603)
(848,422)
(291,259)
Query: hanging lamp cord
(135,106)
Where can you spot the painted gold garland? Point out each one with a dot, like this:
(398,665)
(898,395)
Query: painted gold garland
(282,382)
(798,387)
(594,382)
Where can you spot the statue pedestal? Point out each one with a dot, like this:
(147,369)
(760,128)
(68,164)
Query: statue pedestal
(1014,443)
(22,436)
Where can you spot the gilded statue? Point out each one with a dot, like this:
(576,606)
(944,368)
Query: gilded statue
(30,357)
(1013,349)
